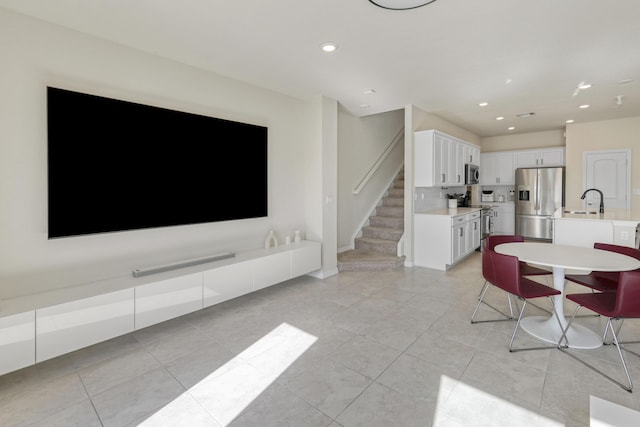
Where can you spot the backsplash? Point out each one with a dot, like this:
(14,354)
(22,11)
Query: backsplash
(432,198)
(499,190)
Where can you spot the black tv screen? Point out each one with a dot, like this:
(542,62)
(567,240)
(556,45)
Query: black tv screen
(115,165)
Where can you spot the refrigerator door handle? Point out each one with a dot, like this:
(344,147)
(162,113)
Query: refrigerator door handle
(537,195)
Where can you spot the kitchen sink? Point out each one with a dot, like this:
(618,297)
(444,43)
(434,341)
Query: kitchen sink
(581,212)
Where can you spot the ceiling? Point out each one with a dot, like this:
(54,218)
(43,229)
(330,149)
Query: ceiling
(445,58)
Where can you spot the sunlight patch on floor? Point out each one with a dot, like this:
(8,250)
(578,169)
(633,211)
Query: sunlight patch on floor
(225,393)
(460,404)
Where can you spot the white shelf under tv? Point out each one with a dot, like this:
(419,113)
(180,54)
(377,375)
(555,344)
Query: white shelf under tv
(38,327)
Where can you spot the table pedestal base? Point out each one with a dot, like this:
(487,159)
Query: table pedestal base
(547,329)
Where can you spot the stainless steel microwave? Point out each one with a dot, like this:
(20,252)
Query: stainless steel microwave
(471,174)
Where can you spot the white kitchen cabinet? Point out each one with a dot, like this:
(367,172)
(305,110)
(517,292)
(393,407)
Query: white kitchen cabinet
(439,159)
(441,239)
(167,299)
(465,235)
(541,157)
(458,237)
(76,324)
(471,154)
(17,341)
(497,168)
(474,232)
(456,163)
(503,218)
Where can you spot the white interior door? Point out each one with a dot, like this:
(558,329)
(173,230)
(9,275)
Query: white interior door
(609,172)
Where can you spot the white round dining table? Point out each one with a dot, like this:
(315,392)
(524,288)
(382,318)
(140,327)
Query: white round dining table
(560,258)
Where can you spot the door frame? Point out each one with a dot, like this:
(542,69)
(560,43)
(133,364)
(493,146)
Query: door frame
(627,153)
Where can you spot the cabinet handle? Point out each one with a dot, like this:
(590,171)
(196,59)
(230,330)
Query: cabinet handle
(541,162)
(475,226)
(498,180)
(461,232)
(443,180)
(458,177)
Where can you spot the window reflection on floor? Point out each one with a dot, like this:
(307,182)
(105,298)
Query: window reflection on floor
(227,391)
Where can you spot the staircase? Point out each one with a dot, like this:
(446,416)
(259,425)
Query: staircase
(377,249)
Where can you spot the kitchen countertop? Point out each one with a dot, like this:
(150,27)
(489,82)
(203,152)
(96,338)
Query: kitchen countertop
(621,215)
(450,212)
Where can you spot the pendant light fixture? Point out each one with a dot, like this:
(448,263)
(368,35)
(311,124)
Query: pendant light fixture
(401,4)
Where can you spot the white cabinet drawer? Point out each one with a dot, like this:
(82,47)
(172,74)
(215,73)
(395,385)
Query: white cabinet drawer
(164,300)
(473,215)
(305,259)
(272,269)
(456,220)
(67,327)
(17,341)
(227,282)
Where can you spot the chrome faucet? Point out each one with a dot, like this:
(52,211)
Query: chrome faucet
(601,197)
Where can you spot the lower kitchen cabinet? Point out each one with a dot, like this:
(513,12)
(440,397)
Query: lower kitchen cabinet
(504,219)
(443,238)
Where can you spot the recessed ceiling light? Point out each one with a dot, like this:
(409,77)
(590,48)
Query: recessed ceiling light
(329,46)
(511,127)
(625,81)
(364,105)
(570,121)
(584,86)
(369,91)
(483,104)
(508,81)
(500,118)
(401,4)
(584,106)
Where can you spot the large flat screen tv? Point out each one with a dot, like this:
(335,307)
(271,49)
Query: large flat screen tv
(115,165)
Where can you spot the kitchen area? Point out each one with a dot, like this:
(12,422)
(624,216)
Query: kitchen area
(459,200)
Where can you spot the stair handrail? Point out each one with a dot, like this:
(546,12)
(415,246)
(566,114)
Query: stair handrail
(399,136)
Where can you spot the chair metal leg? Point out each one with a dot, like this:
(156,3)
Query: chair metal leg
(508,317)
(608,327)
(515,330)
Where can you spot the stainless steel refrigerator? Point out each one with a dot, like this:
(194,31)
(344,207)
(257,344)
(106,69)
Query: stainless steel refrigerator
(539,193)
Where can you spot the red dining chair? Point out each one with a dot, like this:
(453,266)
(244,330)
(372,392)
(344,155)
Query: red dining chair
(488,273)
(525,269)
(505,274)
(623,303)
(604,281)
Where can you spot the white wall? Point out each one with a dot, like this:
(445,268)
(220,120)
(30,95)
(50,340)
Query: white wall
(36,54)
(601,135)
(361,142)
(523,141)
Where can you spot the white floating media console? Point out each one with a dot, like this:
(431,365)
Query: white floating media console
(39,327)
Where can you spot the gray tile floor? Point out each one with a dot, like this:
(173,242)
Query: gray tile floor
(357,349)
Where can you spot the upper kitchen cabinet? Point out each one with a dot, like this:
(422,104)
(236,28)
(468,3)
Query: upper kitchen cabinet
(497,168)
(439,159)
(471,154)
(541,157)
